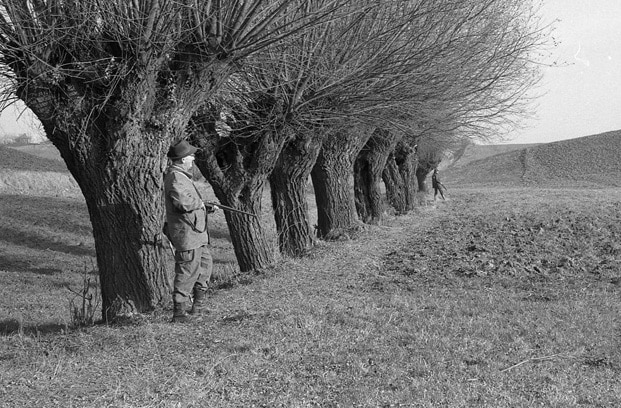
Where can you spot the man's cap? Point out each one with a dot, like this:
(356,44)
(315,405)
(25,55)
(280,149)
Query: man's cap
(181,150)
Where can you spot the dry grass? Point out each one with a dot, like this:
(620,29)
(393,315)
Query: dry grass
(494,298)
(35,170)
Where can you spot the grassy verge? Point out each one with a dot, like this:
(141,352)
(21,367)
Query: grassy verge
(496,298)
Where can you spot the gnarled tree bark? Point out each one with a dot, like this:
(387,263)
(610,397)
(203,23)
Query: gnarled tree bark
(368,169)
(399,177)
(332,177)
(118,165)
(288,183)
(237,167)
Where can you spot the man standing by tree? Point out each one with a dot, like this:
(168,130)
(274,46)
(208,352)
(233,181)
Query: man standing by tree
(438,187)
(186,228)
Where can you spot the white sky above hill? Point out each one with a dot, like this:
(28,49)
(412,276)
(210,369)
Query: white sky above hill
(581,97)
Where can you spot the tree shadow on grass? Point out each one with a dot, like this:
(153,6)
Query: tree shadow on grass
(54,213)
(19,265)
(35,241)
(14,326)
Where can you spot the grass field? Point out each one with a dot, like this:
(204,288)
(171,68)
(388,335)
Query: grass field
(498,297)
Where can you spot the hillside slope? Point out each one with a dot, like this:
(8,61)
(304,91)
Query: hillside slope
(473,152)
(590,161)
(35,170)
(41,157)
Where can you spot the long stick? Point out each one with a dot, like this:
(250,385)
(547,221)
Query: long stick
(231,209)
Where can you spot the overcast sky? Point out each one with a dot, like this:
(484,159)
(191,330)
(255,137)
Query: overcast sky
(581,97)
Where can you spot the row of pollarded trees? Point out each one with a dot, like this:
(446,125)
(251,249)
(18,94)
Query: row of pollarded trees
(347,100)
(302,87)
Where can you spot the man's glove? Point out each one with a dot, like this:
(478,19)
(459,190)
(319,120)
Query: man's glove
(211,208)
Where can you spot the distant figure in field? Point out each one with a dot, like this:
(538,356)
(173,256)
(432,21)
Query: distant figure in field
(438,187)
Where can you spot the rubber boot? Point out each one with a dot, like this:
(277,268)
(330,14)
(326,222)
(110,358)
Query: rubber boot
(180,313)
(199,306)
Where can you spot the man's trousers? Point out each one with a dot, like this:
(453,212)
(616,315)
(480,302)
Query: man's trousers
(192,270)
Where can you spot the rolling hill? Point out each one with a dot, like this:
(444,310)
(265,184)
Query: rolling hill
(473,152)
(35,170)
(590,161)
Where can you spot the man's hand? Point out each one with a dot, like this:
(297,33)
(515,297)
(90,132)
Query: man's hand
(210,208)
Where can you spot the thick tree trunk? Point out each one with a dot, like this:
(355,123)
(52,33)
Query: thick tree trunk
(114,141)
(332,177)
(122,185)
(368,169)
(399,177)
(126,213)
(288,183)
(395,185)
(421,176)
(247,233)
(113,104)
(237,168)
(250,244)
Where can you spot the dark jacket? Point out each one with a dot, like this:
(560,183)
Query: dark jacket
(185,212)
(434,180)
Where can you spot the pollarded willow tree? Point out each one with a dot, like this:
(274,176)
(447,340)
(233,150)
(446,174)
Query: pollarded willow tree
(399,177)
(113,83)
(240,139)
(368,170)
